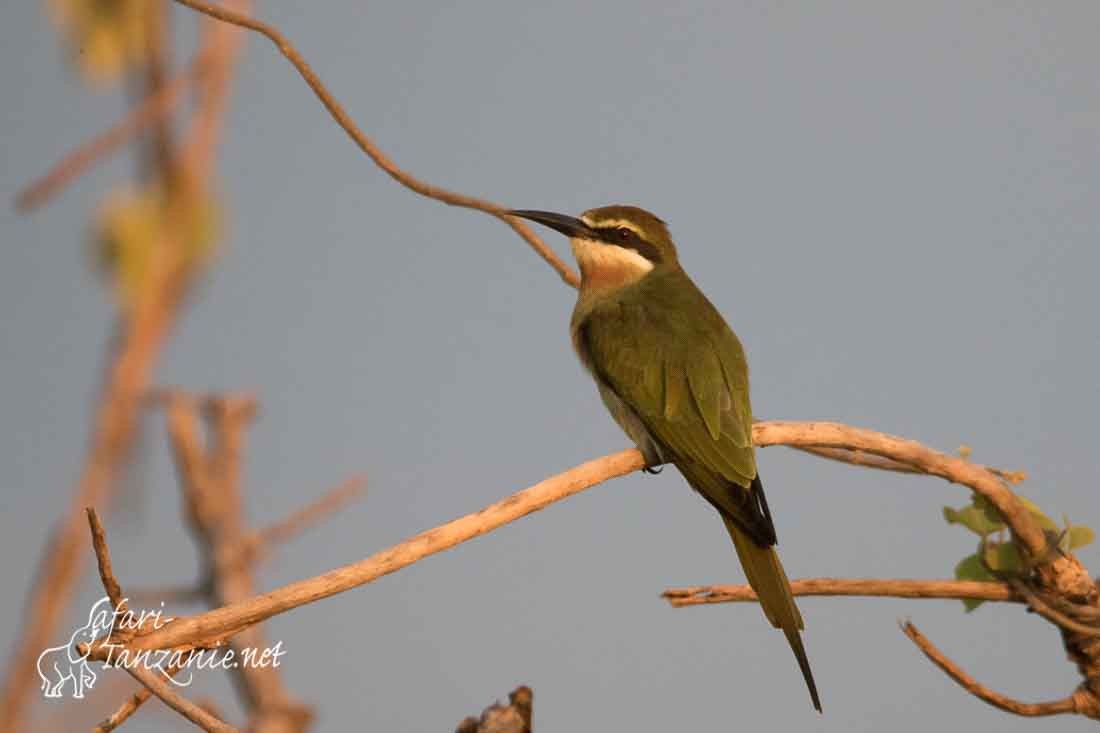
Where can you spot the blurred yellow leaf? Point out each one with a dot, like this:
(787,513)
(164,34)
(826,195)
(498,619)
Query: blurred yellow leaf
(133,225)
(105,37)
(1078,536)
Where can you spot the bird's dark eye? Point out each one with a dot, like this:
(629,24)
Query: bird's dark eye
(624,233)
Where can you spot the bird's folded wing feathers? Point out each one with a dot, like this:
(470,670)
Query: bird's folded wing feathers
(687,380)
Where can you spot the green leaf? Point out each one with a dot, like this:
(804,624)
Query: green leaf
(1037,514)
(971,568)
(973,518)
(1079,535)
(1002,557)
(994,515)
(991,512)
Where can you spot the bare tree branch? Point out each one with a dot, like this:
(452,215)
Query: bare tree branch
(114,593)
(869,587)
(924,459)
(103,559)
(975,688)
(128,707)
(180,704)
(859,458)
(224,622)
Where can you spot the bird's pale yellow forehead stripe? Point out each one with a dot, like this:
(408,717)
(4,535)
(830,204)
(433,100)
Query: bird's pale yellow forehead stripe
(602,223)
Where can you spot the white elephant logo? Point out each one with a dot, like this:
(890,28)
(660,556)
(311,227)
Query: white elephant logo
(58,665)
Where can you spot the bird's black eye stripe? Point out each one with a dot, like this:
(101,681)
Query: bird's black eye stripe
(627,238)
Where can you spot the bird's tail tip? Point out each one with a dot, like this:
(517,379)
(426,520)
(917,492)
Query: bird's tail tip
(795,640)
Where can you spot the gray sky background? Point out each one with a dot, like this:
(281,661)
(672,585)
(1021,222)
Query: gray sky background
(894,205)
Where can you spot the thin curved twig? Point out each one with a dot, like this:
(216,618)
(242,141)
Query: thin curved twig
(865,587)
(975,688)
(406,179)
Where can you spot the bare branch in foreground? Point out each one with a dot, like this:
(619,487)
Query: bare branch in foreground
(867,587)
(1061,571)
(114,593)
(183,706)
(103,559)
(975,688)
(128,707)
(211,626)
(223,622)
(124,711)
(406,179)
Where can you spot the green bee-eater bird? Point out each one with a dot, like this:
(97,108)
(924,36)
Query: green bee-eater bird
(674,377)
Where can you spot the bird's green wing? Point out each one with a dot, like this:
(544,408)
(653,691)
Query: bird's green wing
(667,353)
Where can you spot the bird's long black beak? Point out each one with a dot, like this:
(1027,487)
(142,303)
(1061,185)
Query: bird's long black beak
(568,225)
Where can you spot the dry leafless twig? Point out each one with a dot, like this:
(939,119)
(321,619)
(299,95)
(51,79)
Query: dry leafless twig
(406,179)
(975,688)
(177,702)
(864,587)
(145,676)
